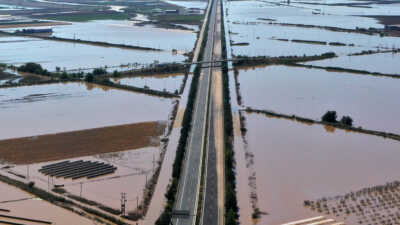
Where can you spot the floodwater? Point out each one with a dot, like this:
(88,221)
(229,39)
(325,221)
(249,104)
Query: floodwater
(190,4)
(294,162)
(18,50)
(134,167)
(248,21)
(383,63)
(125,32)
(249,11)
(158,201)
(35,208)
(168,82)
(44,109)
(312,92)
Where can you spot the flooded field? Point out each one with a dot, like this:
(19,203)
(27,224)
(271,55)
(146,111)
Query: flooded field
(294,162)
(249,23)
(190,4)
(74,106)
(382,63)
(35,208)
(18,50)
(125,32)
(312,92)
(168,82)
(133,168)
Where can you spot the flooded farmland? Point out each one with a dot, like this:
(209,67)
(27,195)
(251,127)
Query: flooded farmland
(125,32)
(24,205)
(312,92)
(294,162)
(263,28)
(169,82)
(19,50)
(74,106)
(382,63)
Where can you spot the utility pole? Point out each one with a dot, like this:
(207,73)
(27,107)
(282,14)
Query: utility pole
(123,203)
(81,190)
(27,171)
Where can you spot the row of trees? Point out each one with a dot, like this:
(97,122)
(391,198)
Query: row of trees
(331,117)
(231,205)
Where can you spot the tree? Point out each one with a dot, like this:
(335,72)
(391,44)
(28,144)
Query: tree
(347,120)
(99,71)
(89,78)
(330,117)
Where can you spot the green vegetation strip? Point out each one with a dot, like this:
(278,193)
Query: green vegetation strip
(86,17)
(79,41)
(336,125)
(108,83)
(265,60)
(231,205)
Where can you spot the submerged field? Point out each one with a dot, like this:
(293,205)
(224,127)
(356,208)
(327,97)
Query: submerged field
(46,109)
(294,162)
(312,92)
(20,50)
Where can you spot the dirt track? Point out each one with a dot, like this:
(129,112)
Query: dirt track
(80,143)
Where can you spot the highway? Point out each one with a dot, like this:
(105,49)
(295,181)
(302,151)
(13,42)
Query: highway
(189,184)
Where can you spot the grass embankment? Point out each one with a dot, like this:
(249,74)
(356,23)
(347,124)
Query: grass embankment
(73,144)
(79,41)
(231,206)
(168,68)
(336,125)
(371,52)
(86,16)
(265,60)
(172,21)
(34,23)
(171,194)
(180,19)
(108,83)
(354,71)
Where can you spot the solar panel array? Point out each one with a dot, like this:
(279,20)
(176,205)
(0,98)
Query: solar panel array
(77,169)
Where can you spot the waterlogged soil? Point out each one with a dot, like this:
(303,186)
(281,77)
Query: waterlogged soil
(80,143)
(35,208)
(168,82)
(46,109)
(312,92)
(382,63)
(294,162)
(20,50)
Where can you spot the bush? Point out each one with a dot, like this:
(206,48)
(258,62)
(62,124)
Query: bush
(330,117)
(99,71)
(347,120)
(89,78)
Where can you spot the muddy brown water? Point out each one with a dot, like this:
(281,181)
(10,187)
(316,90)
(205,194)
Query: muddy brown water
(35,208)
(296,162)
(312,92)
(46,109)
